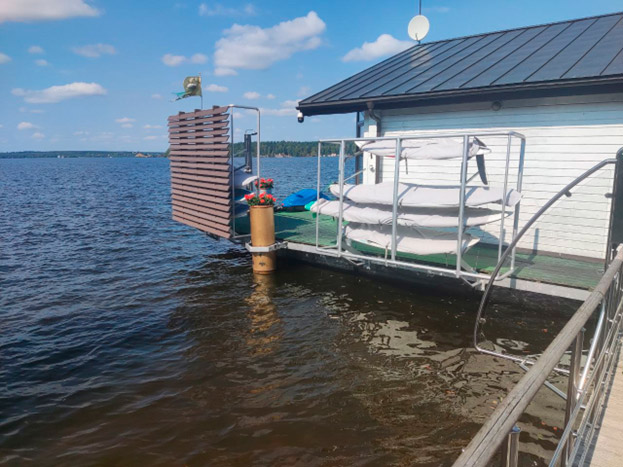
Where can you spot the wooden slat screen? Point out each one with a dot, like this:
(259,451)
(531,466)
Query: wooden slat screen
(200,170)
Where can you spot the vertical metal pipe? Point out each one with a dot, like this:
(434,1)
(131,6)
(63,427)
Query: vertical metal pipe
(572,393)
(522,152)
(341,210)
(395,199)
(459,246)
(231,160)
(502,233)
(259,140)
(511,451)
(594,348)
(318,194)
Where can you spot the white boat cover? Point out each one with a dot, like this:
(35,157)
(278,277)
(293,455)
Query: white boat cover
(407,217)
(418,242)
(426,196)
(242,179)
(429,148)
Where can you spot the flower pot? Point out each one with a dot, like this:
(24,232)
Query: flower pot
(263,234)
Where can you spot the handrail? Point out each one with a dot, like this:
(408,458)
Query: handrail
(487,441)
(566,191)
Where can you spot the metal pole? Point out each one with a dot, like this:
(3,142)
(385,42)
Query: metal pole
(233,185)
(572,392)
(502,233)
(459,246)
(395,200)
(259,139)
(522,152)
(318,195)
(341,216)
(510,454)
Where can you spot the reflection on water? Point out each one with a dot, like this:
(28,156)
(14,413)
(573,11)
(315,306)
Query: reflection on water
(129,339)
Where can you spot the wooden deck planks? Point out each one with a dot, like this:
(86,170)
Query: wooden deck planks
(607,449)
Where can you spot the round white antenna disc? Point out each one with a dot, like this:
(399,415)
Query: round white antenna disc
(418,27)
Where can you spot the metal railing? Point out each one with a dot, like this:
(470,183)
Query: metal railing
(585,385)
(585,389)
(459,271)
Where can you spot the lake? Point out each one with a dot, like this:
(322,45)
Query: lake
(127,338)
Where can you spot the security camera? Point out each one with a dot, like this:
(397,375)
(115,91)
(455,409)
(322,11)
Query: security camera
(300,117)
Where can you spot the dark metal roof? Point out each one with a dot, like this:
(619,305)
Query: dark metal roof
(549,59)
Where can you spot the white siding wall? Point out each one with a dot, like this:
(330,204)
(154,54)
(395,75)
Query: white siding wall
(565,136)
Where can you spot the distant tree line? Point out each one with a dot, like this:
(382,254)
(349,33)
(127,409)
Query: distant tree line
(294,148)
(31,154)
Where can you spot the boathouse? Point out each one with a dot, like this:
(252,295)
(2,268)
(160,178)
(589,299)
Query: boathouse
(558,84)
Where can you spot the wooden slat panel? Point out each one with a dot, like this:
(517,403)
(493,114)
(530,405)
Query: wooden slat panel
(217,204)
(223,217)
(198,113)
(205,172)
(186,185)
(216,222)
(198,152)
(199,121)
(201,226)
(190,159)
(199,178)
(207,128)
(198,134)
(201,166)
(198,144)
(195,142)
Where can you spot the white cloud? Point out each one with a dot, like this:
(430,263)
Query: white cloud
(81,133)
(4,58)
(32,111)
(55,94)
(38,135)
(125,120)
(176,60)
(288,108)
(94,50)
(127,125)
(384,45)
(156,96)
(150,137)
(42,62)
(215,88)
(150,127)
(252,95)
(42,10)
(270,96)
(255,48)
(35,49)
(26,126)
(220,10)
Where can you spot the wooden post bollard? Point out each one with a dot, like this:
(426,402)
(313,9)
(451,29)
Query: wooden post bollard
(262,220)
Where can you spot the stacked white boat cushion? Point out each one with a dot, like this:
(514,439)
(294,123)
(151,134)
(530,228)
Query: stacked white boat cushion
(408,240)
(407,217)
(426,196)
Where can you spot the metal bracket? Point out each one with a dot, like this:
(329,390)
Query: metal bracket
(265,249)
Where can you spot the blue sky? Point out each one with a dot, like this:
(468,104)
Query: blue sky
(97,74)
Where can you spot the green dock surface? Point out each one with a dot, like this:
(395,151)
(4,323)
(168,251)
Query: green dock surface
(300,227)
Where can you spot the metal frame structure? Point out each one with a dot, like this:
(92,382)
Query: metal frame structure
(234,236)
(458,272)
(586,385)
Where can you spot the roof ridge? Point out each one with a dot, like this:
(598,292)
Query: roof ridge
(521,27)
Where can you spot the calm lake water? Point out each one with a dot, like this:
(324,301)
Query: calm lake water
(128,339)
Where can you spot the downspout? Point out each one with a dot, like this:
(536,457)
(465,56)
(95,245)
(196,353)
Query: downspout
(377,119)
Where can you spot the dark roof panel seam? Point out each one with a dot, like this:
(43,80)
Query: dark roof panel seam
(446,58)
(464,58)
(612,61)
(381,73)
(505,57)
(527,57)
(592,47)
(474,63)
(561,50)
(373,72)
